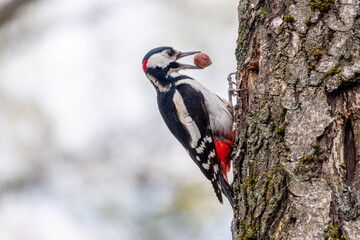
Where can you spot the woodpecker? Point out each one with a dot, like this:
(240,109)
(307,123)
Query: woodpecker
(200,120)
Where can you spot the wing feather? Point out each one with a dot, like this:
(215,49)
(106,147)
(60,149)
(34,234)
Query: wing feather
(194,117)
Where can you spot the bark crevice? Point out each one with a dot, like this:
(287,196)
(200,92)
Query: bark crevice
(349,153)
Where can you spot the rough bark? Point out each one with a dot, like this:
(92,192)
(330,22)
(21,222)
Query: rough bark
(297,154)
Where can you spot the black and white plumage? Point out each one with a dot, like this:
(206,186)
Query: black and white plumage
(193,114)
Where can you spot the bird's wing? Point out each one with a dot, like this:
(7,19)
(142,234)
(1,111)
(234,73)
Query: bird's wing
(192,113)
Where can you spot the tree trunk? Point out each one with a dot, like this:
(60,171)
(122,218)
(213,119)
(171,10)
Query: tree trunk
(297,154)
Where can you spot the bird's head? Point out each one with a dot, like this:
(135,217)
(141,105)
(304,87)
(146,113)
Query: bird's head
(163,60)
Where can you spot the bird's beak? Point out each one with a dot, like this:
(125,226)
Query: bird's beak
(187,66)
(184,54)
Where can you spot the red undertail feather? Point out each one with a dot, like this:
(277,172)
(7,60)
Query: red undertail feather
(223,151)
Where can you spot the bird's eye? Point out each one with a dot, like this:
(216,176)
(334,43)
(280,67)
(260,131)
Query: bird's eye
(170,53)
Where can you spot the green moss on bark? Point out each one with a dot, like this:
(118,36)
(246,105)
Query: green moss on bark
(322,5)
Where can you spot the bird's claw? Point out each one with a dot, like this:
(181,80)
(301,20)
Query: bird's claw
(233,91)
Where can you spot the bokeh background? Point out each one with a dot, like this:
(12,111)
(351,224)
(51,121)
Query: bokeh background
(84,153)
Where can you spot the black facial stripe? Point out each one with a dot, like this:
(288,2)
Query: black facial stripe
(174,65)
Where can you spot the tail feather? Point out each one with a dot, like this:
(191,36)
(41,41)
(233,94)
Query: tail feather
(217,189)
(227,190)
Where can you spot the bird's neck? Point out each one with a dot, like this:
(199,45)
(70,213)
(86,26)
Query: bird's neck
(164,80)
(158,77)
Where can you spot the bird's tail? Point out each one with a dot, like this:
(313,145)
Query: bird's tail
(227,190)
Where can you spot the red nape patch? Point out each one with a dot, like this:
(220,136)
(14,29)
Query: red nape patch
(144,65)
(223,152)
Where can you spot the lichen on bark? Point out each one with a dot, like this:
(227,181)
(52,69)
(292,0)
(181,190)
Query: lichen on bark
(297,150)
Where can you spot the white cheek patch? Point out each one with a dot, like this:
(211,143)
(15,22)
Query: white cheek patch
(160,59)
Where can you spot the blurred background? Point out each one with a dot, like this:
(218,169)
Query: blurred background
(84,153)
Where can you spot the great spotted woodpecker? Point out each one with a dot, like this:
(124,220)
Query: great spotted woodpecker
(200,120)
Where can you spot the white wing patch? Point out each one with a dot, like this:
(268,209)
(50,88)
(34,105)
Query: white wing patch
(216,168)
(208,139)
(211,155)
(206,166)
(200,149)
(221,119)
(186,120)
